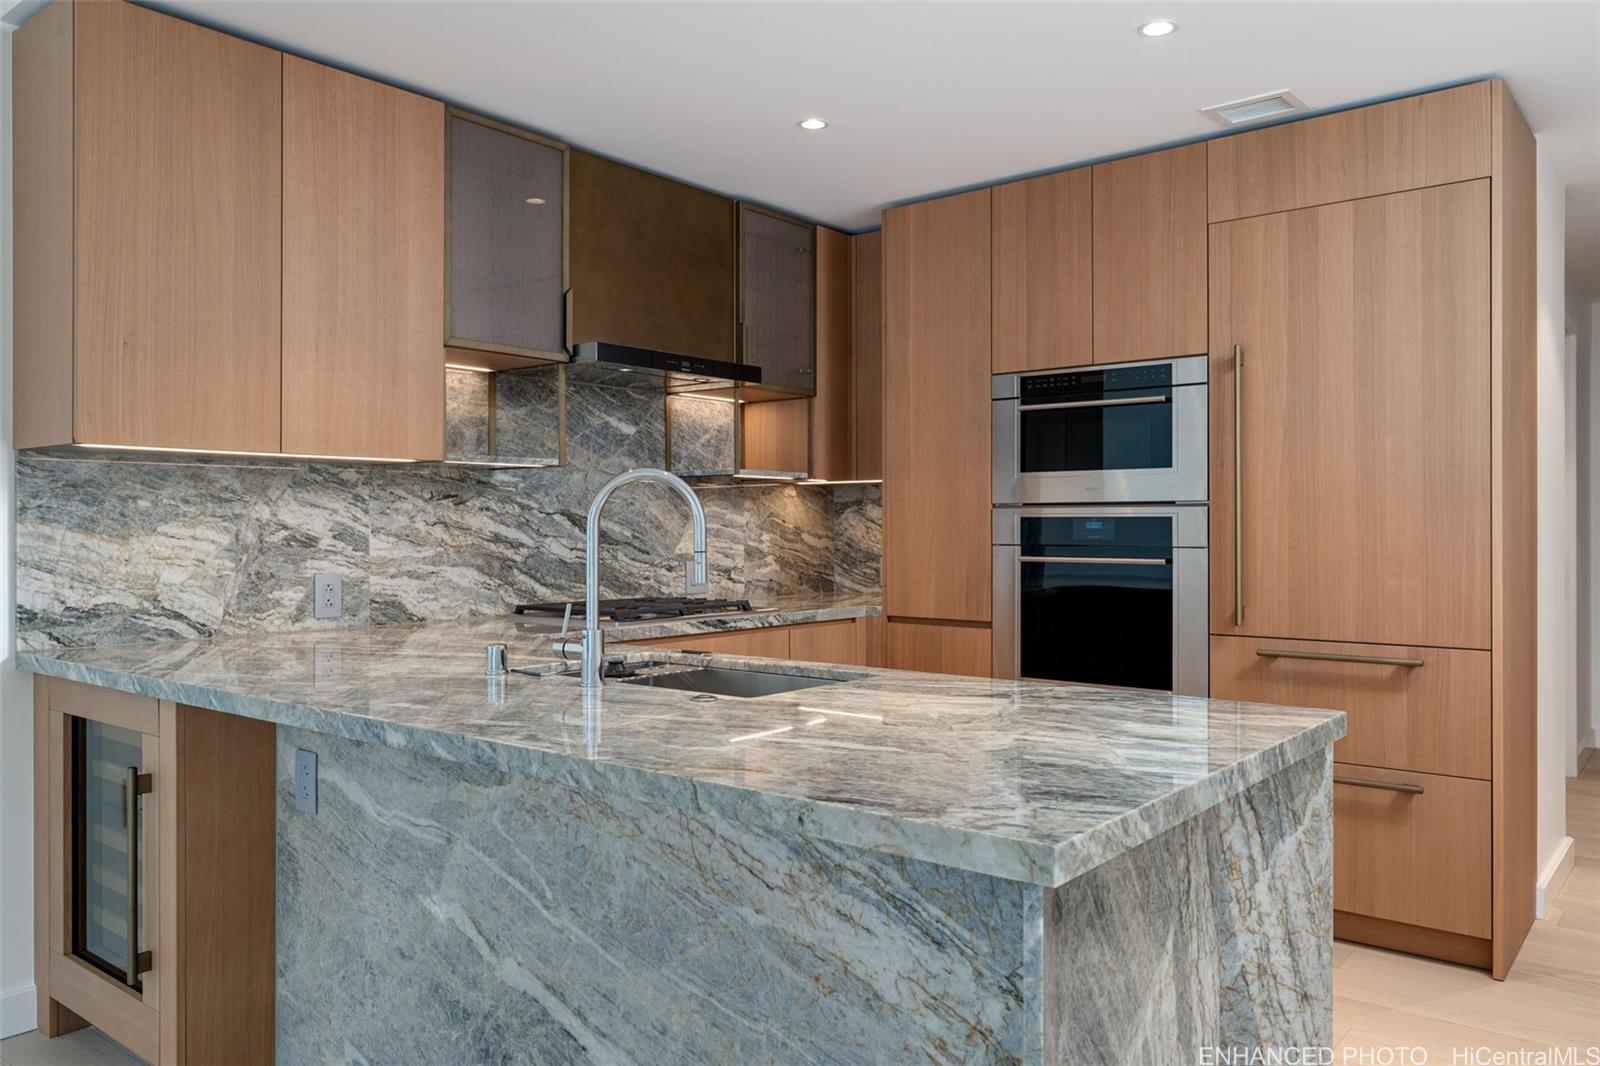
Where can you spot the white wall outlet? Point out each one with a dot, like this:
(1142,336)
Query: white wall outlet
(305,780)
(327,596)
(328,665)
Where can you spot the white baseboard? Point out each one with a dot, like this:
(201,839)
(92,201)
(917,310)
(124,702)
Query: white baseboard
(19,1009)
(1554,876)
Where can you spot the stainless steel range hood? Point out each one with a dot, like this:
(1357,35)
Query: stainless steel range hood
(604,363)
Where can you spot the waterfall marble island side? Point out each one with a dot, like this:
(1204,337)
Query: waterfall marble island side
(899,866)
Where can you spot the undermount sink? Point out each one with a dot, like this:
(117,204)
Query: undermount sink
(719,681)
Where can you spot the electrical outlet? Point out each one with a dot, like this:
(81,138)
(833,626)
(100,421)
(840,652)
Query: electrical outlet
(327,596)
(305,780)
(327,663)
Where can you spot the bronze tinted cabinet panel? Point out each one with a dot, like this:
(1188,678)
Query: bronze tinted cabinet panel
(651,262)
(777,268)
(506,285)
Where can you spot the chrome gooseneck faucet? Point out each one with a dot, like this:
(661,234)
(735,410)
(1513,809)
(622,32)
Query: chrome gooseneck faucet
(593,647)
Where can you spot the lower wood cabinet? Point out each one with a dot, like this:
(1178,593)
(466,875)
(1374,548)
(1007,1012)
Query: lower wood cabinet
(154,874)
(1412,850)
(846,642)
(940,649)
(1424,709)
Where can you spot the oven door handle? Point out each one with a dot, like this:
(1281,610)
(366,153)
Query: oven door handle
(1126,401)
(1092,559)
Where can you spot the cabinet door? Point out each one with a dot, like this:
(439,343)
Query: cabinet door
(936,409)
(828,642)
(940,649)
(651,262)
(506,279)
(777,283)
(363,254)
(771,643)
(1150,256)
(178,224)
(866,355)
(1362,488)
(775,437)
(831,409)
(1043,272)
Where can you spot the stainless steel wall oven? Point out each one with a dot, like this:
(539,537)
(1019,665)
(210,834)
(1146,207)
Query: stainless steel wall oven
(1129,433)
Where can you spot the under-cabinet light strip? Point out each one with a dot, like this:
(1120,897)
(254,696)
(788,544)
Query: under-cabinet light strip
(253,455)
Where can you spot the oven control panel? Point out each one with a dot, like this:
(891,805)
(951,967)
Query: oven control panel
(1091,383)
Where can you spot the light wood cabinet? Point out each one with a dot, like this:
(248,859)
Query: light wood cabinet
(833,405)
(1043,272)
(1429,711)
(1417,858)
(1432,139)
(842,642)
(651,262)
(846,642)
(936,409)
(766,643)
(1150,256)
(866,355)
(363,249)
(198,838)
(1364,426)
(939,649)
(147,233)
(776,437)
(505,246)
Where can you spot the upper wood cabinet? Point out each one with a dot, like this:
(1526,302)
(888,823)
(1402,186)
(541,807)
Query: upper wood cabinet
(1150,256)
(147,233)
(1043,272)
(866,355)
(832,409)
(363,252)
(651,262)
(777,287)
(936,408)
(1432,139)
(1363,490)
(505,227)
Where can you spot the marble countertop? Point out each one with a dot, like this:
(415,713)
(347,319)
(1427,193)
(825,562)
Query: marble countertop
(1030,782)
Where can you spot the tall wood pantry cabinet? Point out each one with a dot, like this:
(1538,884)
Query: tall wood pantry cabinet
(1372,543)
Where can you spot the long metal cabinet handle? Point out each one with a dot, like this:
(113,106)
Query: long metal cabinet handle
(1238,486)
(1386,786)
(1331,657)
(1091,559)
(134,785)
(1127,401)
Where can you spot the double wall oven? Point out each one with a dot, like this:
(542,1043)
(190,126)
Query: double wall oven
(1100,558)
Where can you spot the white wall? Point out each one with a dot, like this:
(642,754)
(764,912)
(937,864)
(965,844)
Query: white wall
(1588,717)
(1557,532)
(16,713)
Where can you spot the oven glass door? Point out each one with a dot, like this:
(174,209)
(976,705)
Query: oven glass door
(1127,432)
(1095,600)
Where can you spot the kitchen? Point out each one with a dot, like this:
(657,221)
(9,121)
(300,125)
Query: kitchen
(486,595)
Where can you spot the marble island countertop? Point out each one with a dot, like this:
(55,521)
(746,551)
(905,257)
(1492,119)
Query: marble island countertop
(1030,782)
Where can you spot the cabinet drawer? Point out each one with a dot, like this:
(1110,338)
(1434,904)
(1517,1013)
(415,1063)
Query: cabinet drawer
(1432,718)
(767,643)
(1419,858)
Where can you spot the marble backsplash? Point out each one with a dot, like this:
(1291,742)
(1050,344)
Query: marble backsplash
(113,550)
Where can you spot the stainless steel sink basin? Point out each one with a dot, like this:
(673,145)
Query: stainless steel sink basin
(716,681)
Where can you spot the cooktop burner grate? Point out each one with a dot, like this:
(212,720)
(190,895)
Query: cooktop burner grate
(634,610)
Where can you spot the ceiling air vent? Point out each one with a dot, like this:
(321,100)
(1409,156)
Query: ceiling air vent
(1254,108)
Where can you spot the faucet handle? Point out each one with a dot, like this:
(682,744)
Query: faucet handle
(566,622)
(694,574)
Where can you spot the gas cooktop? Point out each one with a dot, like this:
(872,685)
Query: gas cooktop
(634,610)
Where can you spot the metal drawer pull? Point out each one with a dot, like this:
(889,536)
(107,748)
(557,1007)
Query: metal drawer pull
(1124,402)
(134,785)
(1386,786)
(1092,559)
(1331,657)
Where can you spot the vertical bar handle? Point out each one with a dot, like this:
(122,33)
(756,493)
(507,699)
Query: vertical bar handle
(130,822)
(1238,485)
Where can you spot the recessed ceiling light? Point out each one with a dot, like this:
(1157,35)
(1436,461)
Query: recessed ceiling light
(1157,28)
(813,124)
(534,200)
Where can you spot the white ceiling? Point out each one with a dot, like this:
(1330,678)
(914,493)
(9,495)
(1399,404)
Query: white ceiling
(927,97)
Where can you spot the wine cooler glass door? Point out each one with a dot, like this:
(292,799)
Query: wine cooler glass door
(107,872)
